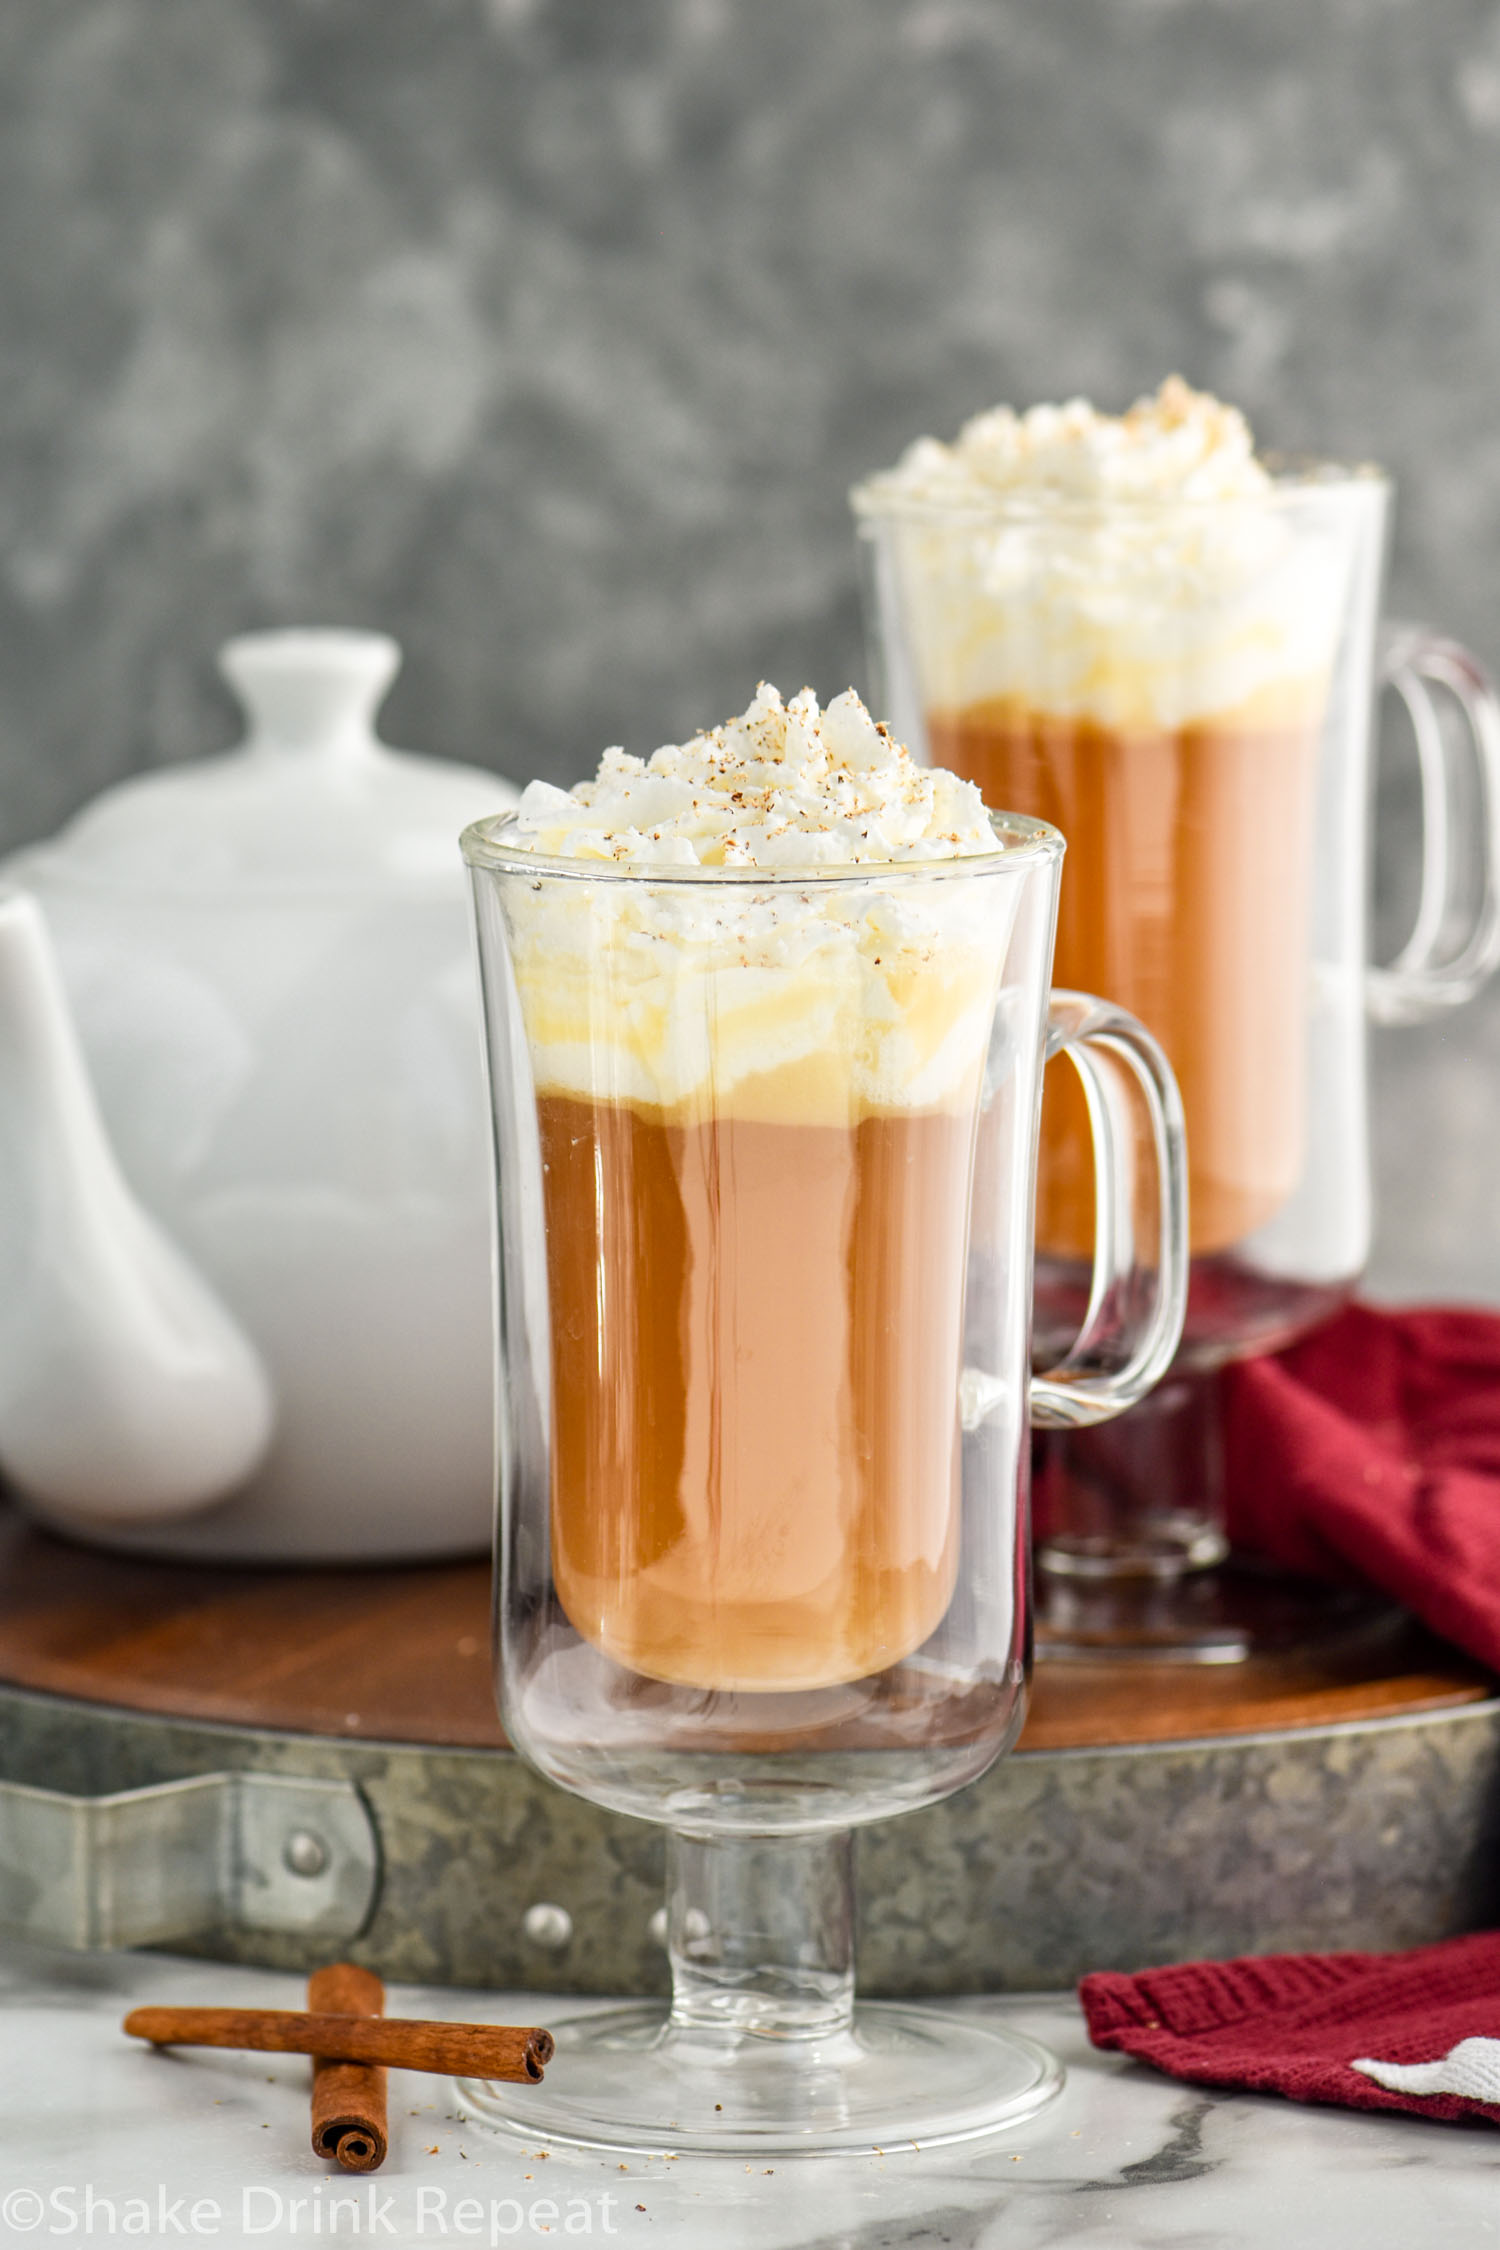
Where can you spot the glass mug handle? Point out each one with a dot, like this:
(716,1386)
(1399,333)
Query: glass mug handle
(1420,982)
(1120,1351)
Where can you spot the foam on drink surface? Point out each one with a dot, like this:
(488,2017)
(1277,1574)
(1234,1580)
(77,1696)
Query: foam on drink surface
(757,1109)
(1142,569)
(811,1004)
(1179,444)
(783,785)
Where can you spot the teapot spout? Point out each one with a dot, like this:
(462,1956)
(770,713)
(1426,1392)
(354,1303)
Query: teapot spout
(128,1393)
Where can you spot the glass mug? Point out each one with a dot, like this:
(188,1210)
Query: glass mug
(1185,688)
(766,1156)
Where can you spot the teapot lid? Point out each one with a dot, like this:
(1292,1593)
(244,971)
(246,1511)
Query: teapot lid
(310,802)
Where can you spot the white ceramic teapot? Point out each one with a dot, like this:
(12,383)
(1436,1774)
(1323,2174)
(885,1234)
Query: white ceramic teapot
(244,1201)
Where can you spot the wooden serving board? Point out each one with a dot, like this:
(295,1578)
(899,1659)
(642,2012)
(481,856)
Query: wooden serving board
(402,1655)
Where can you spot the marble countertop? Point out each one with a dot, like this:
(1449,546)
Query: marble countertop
(213,2147)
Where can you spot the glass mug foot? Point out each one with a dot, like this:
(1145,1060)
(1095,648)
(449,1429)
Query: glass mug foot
(1216,1616)
(631,2079)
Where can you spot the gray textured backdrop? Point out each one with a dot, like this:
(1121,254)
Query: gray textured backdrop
(548,334)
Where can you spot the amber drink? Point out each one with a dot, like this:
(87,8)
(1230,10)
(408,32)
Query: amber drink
(1185,896)
(1126,626)
(757,1126)
(756,1470)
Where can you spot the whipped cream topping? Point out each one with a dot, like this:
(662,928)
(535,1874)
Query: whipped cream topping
(1180,444)
(783,785)
(1143,570)
(804,1002)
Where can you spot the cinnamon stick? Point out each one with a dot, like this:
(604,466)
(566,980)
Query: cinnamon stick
(463,2050)
(348,2098)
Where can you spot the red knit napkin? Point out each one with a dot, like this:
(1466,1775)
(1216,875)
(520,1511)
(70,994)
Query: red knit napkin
(1371,1450)
(1297,2023)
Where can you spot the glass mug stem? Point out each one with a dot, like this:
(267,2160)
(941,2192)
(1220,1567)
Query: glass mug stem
(760,1933)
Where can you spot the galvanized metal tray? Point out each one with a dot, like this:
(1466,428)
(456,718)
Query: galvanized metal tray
(367,1805)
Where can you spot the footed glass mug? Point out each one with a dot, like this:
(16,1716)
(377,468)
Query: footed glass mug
(766,1154)
(1186,687)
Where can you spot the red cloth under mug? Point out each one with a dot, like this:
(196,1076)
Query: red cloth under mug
(1295,2023)
(1371,1451)
(1368,1451)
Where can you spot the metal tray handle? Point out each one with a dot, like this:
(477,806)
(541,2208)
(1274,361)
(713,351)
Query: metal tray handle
(254,1851)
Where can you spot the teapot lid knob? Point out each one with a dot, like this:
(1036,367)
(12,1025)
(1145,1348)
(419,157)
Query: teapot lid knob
(310,690)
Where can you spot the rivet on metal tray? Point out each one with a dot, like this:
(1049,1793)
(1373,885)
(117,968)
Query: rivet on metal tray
(695,1925)
(547,1925)
(304,1853)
